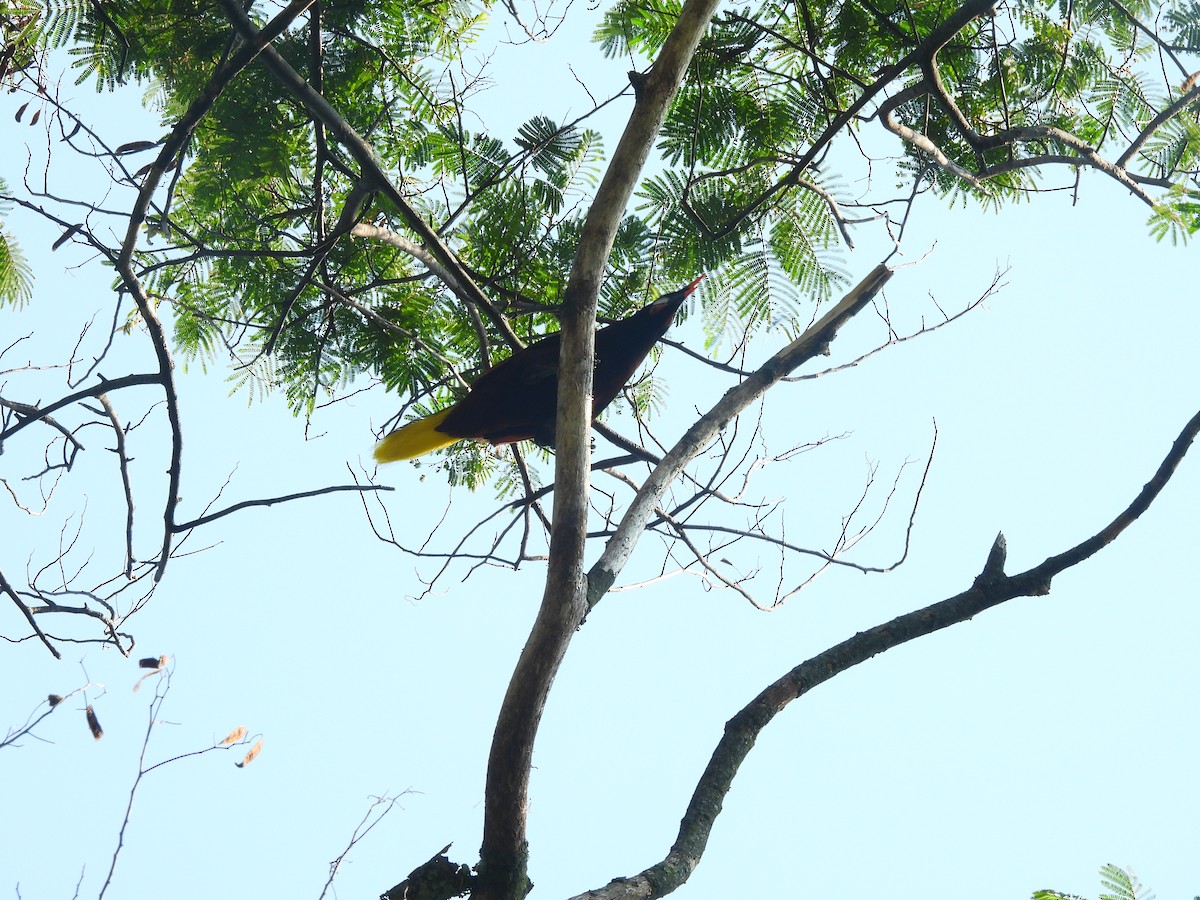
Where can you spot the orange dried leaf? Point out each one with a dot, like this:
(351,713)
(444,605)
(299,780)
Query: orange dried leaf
(250,755)
(155,664)
(234,736)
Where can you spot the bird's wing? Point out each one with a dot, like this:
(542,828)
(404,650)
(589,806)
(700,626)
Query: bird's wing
(536,372)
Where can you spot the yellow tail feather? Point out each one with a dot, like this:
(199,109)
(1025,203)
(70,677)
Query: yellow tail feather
(414,439)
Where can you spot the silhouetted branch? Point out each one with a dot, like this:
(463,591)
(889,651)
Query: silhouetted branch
(123,465)
(28,413)
(7,588)
(236,738)
(53,702)
(990,588)
(340,130)
(813,342)
(271,501)
(171,147)
(503,854)
(375,814)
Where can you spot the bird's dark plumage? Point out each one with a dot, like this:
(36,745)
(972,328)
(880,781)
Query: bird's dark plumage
(517,399)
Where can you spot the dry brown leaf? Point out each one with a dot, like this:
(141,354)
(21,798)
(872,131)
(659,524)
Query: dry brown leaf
(66,236)
(135,147)
(234,736)
(94,723)
(250,755)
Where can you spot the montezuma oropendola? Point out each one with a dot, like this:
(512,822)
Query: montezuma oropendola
(517,399)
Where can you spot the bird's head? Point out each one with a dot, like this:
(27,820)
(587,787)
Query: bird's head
(675,298)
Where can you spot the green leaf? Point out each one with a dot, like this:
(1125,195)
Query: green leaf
(16,278)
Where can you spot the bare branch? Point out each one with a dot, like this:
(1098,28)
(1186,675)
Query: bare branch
(996,284)
(920,141)
(271,501)
(172,146)
(123,464)
(162,687)
(375,814)
(7,588)
(703,559)
(563,606)
(813,342)
(53,702)
(29,414)
(991,588)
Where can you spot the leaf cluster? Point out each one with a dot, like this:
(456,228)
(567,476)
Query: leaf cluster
(1118,884)
(16,278)
(252,242)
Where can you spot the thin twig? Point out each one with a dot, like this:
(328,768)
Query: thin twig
(270,501)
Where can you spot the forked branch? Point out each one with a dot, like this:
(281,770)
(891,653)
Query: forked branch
(502,868)
(990,588)
(813,342)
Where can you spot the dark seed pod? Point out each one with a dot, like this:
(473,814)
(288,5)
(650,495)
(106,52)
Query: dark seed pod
(94,724)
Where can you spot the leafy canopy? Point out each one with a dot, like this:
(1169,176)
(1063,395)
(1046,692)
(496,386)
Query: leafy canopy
(799,123)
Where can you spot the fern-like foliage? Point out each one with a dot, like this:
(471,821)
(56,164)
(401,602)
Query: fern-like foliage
(16,278)
(1176,216)
(22,33)
(63,21)
(764,168)
(1117,884)
(1183,20)
(637,26)
(1121,884)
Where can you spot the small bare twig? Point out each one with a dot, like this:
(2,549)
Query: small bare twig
(53,702)
(271,501)
(7,588)
(123,464)
(237,738)
(379,808)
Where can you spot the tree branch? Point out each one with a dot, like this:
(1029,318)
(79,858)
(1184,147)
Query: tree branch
(171,148)
(31,414)
(813,342)
(271,501)
(340,130)
(503,855)
(123,465)
(6,588)
(990,588)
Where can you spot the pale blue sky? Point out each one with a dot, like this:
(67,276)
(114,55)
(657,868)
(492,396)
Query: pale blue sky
(1017,751)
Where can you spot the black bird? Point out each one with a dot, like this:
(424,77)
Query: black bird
(517,399)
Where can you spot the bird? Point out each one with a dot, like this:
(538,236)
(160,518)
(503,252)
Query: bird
(517,399)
